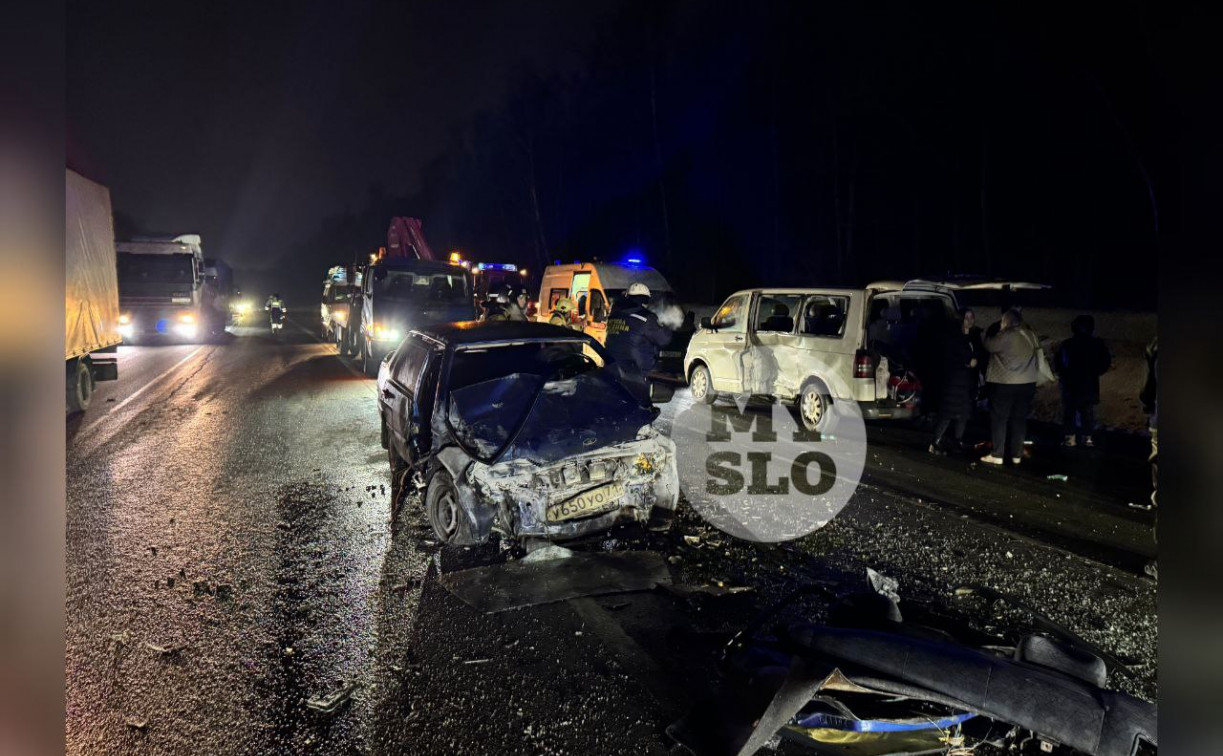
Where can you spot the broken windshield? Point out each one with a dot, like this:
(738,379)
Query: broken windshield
(497,390)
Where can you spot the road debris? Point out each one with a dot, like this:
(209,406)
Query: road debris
(1058,477)
(164,650)
(331,702)
(884,585)
(547,554)
(136,724)
(519,584)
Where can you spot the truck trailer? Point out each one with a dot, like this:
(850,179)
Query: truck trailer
(91,289)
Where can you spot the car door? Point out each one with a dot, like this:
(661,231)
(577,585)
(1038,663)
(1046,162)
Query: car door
(399,393)
(594,312)
(771,341)
(827,337)
(725,344)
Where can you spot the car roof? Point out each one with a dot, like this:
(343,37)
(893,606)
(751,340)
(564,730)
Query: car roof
(616,275)
(480,331)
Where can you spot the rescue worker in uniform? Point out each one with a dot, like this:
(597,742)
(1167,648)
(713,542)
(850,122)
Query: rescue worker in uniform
(634,337)
(562,314)
(509,304)
(274,301)
(515,306)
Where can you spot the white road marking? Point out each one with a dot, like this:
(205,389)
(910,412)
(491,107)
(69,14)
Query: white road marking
(138,392)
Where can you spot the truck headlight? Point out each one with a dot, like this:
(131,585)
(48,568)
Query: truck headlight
(186,318)
(385,333)
(125,319)
(242,308)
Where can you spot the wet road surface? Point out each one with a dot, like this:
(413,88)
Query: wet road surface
(230,560)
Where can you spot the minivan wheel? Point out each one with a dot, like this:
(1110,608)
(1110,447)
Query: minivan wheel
(815,409)
(442,507)
(701,384)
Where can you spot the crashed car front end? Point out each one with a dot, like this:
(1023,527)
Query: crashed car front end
(582,495)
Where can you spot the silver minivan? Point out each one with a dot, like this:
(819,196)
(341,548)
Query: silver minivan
(815,347)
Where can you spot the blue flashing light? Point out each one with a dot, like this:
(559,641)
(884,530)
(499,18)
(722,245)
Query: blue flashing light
(633,258)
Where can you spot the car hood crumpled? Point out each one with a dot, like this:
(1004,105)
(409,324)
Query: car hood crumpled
(569,417)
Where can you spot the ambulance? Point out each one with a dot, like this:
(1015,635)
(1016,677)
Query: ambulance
(593,287)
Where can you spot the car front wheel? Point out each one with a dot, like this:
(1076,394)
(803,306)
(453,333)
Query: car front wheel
(442,508)
(701,384)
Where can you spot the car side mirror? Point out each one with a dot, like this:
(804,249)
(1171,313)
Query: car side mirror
(707,323)
(661,393)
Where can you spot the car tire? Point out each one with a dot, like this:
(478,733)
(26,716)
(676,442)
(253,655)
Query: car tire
(443,510)
(814,408)
(385,432)
(701,385)
(80,386)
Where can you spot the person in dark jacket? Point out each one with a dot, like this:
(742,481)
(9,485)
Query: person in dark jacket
(960,355)
(634,337)
(1080,361)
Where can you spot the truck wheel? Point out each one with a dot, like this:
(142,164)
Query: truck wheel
(443,510)
(80,386)
(701,383)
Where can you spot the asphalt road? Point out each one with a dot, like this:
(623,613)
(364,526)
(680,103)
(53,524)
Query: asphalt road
(230,558)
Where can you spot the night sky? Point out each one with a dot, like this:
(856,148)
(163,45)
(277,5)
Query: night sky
(733,144)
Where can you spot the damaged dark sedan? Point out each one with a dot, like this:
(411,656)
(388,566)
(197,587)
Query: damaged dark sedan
(521,429)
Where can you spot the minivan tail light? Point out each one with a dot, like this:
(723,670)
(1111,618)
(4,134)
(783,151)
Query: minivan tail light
(864,364)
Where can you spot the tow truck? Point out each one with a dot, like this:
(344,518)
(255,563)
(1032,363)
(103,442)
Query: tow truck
(402,286)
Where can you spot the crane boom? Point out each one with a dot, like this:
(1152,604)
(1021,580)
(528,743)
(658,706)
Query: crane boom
(404,238)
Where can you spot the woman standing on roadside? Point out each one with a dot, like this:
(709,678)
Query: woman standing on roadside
(1011,378)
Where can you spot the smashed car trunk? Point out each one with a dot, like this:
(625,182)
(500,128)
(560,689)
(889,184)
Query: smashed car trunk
(562,500)
(558,459)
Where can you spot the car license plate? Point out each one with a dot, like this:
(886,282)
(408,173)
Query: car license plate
(595,501)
